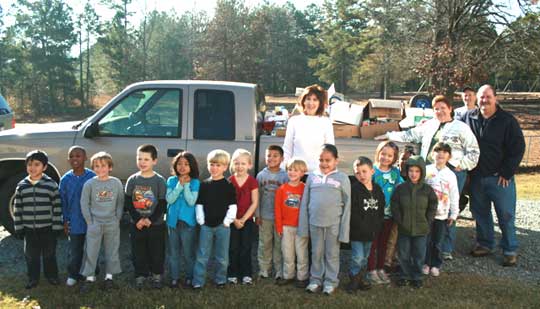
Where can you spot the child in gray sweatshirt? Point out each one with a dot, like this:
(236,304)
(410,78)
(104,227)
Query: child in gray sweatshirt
(324,216)
(102,203)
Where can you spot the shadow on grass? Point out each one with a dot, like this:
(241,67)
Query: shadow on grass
(475,285)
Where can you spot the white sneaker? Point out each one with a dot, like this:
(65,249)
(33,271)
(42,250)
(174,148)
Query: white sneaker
(232,280)
(246,280)
(71,281)
(425,270)
(383,276)
(435,272)
(263,274)
(328,289)
(312,288)
(373,277)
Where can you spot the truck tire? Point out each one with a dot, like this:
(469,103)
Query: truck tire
(7,192)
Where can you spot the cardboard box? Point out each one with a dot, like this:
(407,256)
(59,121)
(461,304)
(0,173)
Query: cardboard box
(346,130)
(369,132)
(346,112)
(391,109)
(415,116)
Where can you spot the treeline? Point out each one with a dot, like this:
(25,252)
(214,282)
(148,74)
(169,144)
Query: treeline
(362,46)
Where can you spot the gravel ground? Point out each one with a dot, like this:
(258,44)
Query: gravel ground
(528,269)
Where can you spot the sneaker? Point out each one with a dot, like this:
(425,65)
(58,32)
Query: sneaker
(197,287)
(221,285)
(301,284)
(509,260)
(156,282)
(108,285)
(373,277)
(312,288)
(53,281)
(447,256)
(435,271)
(232,280)
(187,283)
(479,251)
(246,280)
(328,290)
(71,282)
(282,282)
(174,284)
(383,276)
(139,283)
(263,274)
(364,284)
(402,282)
(425,270)
(86,286)
(417,284)
(31,284)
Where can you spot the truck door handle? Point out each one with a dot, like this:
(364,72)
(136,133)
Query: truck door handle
(173,152)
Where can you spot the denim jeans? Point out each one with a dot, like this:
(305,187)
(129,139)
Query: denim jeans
(411,255)
(434,243)
(76,250)
(359,256)
(484,191)
(450,234)
(182,238)
(216,238)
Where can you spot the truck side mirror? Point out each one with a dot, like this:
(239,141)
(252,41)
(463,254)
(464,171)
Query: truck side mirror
(92,130)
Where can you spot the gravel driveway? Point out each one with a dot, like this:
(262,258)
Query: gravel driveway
(528,269)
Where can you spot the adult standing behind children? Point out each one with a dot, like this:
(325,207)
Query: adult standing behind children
(501,149)
(37,218)
(469,103)
(145,201)
(70,188)
(269,179)
(102,205)
(308,132)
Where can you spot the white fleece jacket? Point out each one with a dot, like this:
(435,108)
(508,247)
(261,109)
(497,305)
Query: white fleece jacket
(444,183)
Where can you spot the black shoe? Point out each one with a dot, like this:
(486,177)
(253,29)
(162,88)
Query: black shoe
(282,282)
(301,284)
(221,285)
(156,284)
(187,284)
(86,286)
(363,284)
(31,284)
(417,284)
(53,281)
(108,285)
(174,284)
(402,282)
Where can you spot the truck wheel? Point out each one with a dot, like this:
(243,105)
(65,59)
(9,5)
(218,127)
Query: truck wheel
(7,193)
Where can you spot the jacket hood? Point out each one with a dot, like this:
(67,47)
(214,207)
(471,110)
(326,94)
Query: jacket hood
(419,162)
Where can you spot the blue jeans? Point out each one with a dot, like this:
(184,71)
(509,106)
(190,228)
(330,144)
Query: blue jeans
(484,191)
(359,256)
(76,251)
(411,255)
(434,243)
(216,238)
(182,238)
(450,234)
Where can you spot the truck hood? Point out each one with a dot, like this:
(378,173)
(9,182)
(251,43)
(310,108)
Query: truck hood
(22,129)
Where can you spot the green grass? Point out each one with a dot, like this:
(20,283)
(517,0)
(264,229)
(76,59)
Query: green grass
(450,290)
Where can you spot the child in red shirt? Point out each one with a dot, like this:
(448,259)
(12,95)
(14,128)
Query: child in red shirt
(287,211)
(242,229)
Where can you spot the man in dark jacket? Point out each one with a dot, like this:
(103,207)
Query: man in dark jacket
(501,149)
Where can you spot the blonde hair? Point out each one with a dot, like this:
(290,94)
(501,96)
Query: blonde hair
(103,157)
(298,164)
(240,153)
(218,156)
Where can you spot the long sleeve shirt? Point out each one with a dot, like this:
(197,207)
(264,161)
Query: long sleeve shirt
(70,188)
(181,200)
(102,201)
(444,183)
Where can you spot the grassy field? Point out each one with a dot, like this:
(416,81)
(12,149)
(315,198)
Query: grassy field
(450,290)
(527,186)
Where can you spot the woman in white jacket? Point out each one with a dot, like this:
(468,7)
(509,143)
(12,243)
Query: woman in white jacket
(307,132)
(443,128)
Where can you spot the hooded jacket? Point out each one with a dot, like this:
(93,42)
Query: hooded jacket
(414,205)
(367,211)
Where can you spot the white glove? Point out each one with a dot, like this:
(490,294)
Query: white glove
(199,214)
(230,216)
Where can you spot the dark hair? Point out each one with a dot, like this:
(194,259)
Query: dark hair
(320,93)
(363,161)
(193,166)
(37,155)
(77,147)
(151,149)
(384,144)
(409,149)
(440,146)
(441,98)
(275,148)
(331,149)
(467,88)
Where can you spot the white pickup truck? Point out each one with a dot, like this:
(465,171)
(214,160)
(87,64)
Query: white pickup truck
(197,116)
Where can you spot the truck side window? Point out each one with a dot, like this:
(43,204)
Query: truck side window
(214,116)
(149,112)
